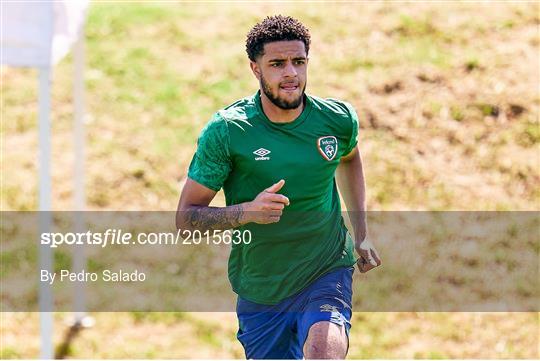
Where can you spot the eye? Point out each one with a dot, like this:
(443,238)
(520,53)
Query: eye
(299,62)
(276,65)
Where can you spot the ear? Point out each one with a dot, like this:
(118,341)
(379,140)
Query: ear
(255,69)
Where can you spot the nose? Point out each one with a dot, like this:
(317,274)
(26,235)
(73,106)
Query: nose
(289,70)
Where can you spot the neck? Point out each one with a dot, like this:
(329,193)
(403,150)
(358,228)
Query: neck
(277,114)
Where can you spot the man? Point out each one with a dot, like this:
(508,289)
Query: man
(276,155)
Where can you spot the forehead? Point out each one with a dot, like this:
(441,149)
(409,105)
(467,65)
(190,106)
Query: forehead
(284,49)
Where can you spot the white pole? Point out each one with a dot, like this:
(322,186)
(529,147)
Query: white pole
(79,136)
(79,259)
(46,302)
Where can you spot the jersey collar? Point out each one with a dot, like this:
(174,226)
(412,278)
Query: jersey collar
(289,125)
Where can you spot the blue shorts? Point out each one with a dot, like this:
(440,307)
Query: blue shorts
(280,331)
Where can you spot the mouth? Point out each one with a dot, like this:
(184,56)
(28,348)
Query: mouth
(289,87)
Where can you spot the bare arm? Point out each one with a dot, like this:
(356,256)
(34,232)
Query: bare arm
(193,211)
(352,186)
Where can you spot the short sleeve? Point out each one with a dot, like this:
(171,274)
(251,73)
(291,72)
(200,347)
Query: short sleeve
(211,162)
(354,129)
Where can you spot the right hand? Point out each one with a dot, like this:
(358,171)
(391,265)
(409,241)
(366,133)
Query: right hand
(268,206)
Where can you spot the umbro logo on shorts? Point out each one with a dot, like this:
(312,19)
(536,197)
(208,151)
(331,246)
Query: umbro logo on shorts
(328,308)
(261,154)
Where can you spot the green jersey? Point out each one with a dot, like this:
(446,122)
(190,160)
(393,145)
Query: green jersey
(244,152)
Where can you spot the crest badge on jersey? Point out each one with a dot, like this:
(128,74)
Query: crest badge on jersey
(328,147)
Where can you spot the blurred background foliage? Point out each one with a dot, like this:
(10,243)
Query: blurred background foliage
(448,100)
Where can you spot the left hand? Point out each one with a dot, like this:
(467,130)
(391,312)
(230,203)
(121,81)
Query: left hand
(369,258)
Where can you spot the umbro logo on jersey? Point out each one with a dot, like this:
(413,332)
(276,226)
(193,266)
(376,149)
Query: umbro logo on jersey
(261,154)
(328,147)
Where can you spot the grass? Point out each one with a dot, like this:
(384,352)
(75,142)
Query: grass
(460,132)
(168,78)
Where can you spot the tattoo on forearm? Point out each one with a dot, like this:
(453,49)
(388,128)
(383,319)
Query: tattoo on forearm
(211,218)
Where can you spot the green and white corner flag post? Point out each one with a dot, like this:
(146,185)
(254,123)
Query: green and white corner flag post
(39,35)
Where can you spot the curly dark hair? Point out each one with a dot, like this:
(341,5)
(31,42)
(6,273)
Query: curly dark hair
(275,28)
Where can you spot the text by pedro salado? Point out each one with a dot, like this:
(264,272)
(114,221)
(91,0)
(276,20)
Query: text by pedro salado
(122,238)
(84,276)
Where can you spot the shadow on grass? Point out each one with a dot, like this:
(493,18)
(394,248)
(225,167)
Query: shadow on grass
(64,349)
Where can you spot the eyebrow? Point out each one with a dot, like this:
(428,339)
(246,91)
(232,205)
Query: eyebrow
(283,59)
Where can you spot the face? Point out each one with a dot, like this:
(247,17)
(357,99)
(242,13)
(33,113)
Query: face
(282,73)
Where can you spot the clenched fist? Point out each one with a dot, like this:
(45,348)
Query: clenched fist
(369,257)
(268,206)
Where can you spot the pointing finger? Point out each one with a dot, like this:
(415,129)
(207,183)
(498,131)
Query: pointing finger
(279,198)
